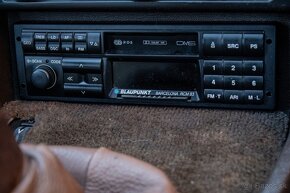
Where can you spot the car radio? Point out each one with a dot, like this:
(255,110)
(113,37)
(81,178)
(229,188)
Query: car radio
(229,66)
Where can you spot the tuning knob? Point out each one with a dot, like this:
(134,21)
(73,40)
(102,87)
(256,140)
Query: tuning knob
(43,77)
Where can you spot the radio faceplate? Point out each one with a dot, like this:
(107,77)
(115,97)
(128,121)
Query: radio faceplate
(228,66)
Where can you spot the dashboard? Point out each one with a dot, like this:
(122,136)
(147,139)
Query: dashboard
(198,88)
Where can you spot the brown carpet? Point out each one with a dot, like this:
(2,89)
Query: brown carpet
(201,150)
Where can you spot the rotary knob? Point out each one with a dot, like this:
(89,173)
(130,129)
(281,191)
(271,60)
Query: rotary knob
(43,77)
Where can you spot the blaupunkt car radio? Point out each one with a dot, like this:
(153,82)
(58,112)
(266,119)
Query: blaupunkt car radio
(231,66)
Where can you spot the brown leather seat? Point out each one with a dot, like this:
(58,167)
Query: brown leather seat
(51,169)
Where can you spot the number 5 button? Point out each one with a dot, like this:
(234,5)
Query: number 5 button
(233,82)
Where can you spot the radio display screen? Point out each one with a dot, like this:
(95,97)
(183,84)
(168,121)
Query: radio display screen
(151,44)
(155,75)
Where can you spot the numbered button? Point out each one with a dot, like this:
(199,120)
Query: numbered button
(253,82)
(213,81)
(233,82)
(213,67)
(233,67)
(253,67)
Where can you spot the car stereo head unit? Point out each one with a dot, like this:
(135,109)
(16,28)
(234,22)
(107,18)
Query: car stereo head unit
(229,66)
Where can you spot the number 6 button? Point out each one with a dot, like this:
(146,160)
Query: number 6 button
(253,82)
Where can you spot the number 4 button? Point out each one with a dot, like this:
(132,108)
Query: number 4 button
(213,81)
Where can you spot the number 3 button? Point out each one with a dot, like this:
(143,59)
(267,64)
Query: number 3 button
(254,67)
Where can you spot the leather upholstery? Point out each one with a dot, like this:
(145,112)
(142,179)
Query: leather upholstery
(104,171)
(43,173)
(10,158)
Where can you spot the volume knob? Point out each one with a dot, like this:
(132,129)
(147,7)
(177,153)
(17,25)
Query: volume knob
(43,77)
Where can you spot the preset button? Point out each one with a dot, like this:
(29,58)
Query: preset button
(253,82)
(213,66)
(233,82)
(254,67)
(233,67)
(211,81)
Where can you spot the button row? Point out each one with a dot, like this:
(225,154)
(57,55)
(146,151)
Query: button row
(73,78)
(234,96)
(233,82)
(61,42)
(233,67)
(56,37)
(233,44)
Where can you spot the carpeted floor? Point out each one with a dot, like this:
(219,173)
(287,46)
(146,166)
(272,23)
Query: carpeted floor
(201,150)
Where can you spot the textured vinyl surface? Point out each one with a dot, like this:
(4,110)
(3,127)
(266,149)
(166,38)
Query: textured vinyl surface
(200,150)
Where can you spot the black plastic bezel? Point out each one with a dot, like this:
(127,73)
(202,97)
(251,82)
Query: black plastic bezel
(269,76)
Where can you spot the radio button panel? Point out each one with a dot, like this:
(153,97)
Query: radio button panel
(228,66)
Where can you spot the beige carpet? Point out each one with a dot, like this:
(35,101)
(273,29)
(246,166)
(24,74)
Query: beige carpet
(201,150)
